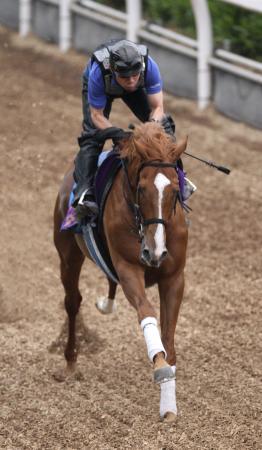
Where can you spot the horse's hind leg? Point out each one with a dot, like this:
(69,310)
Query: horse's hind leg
(71,260)
(70,272)
(106,305)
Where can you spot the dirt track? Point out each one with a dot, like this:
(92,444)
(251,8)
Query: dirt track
(112,403)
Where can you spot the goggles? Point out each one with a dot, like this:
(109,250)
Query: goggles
(127,72)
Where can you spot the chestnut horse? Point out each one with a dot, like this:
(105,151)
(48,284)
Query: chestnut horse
(146,234)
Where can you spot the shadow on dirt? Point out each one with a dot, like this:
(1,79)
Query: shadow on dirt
(87,341)
(9,311)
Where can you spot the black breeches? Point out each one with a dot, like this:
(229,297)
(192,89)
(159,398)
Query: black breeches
(90,149)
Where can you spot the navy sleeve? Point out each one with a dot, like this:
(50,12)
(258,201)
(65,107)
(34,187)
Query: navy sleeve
(153,81)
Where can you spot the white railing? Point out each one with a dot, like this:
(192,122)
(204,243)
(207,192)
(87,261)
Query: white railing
(167,43)
(239,60)
(169,34)
(103,9)
(236,70)
(252,5)
(97,16)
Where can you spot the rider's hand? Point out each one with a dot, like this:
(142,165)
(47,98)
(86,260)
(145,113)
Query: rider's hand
(167,123)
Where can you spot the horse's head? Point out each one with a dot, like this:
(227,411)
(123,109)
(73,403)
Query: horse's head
(153,179)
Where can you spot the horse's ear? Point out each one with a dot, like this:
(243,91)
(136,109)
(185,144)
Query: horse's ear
(121,143)
(180,148)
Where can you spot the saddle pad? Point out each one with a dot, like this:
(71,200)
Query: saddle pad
(98,251)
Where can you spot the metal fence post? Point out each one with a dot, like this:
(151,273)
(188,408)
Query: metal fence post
(64,25)
(134,13)
(205,50)
(24,17)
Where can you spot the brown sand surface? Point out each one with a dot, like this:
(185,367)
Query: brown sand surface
(112,403)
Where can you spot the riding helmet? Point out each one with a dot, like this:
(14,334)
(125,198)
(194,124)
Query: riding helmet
(125,59)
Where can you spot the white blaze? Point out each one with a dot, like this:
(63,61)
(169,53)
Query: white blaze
(161,181)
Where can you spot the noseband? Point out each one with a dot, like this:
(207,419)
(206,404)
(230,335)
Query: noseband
(142,223)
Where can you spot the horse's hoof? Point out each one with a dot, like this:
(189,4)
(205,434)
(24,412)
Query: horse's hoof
(105,305)
(169,417)
(63,374)
(71,367)
(163,374)
(60,375)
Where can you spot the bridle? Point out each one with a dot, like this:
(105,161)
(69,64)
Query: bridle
(133,203)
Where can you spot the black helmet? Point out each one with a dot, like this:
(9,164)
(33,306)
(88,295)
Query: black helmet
(125,59)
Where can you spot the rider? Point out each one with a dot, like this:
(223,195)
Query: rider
(117,69)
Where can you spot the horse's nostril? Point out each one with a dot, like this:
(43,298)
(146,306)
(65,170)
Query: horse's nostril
(151,259)
(146,254)
(164,255)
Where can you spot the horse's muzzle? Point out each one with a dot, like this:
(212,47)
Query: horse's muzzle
(149,257)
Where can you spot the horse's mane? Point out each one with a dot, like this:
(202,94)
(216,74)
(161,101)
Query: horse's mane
(149,142)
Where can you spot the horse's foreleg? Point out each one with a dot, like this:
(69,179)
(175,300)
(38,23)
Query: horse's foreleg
(106,305)
(133,286)
(171,293)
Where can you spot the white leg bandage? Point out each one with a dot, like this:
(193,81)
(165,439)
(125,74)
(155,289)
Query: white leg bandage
(152,337)
(168,396)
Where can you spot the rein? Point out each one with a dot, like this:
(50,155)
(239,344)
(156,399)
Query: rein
(140,222)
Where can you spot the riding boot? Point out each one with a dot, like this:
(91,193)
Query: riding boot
(85,169)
